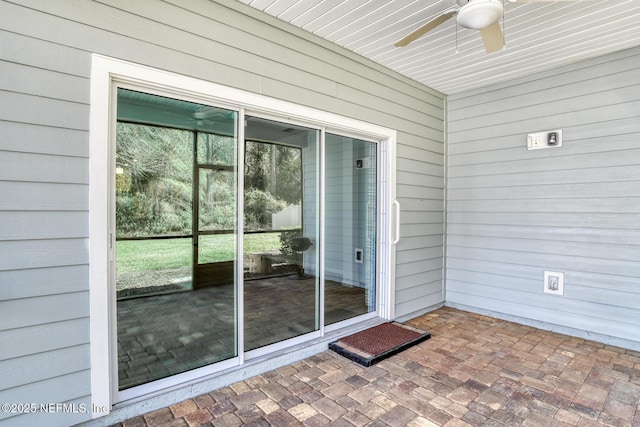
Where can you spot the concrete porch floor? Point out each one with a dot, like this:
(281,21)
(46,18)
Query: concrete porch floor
(474,371)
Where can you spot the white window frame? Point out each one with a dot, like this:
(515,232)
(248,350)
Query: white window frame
(105,74)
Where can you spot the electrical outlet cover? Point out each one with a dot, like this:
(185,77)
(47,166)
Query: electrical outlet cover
(554,282)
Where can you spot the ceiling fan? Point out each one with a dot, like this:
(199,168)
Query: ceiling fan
(482,15)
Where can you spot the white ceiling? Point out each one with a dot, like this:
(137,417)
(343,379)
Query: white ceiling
(451,59)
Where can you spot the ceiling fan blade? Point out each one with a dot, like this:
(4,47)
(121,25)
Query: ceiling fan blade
(492,37)
(426,28)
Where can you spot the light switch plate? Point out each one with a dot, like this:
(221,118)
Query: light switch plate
(359,256)
(546,139)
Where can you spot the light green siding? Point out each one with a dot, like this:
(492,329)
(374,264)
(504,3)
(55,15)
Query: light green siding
(45,64)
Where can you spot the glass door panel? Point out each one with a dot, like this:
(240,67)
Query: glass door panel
(281,287)
(350,235)
(166,323)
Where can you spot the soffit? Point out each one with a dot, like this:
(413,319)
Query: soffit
(451,59)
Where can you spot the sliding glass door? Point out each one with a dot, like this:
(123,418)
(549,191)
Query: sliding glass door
(235,235)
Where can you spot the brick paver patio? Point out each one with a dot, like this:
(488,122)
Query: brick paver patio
(474,371)
(162,335)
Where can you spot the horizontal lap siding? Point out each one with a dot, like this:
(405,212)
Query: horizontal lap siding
(420,254)
(514,213)
(45,63)
(44,327)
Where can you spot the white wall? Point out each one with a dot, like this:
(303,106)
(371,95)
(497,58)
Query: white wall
(514,213)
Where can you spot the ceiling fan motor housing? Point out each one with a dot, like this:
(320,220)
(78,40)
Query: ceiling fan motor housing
(479,14)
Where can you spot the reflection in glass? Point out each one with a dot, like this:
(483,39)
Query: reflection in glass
(350,235)
(174,312)
(280,223)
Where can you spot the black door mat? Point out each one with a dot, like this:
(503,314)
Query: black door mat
(372,345)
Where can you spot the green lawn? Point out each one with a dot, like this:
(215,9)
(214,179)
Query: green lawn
(165,254)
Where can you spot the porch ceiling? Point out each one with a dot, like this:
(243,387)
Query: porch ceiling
(538,35)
